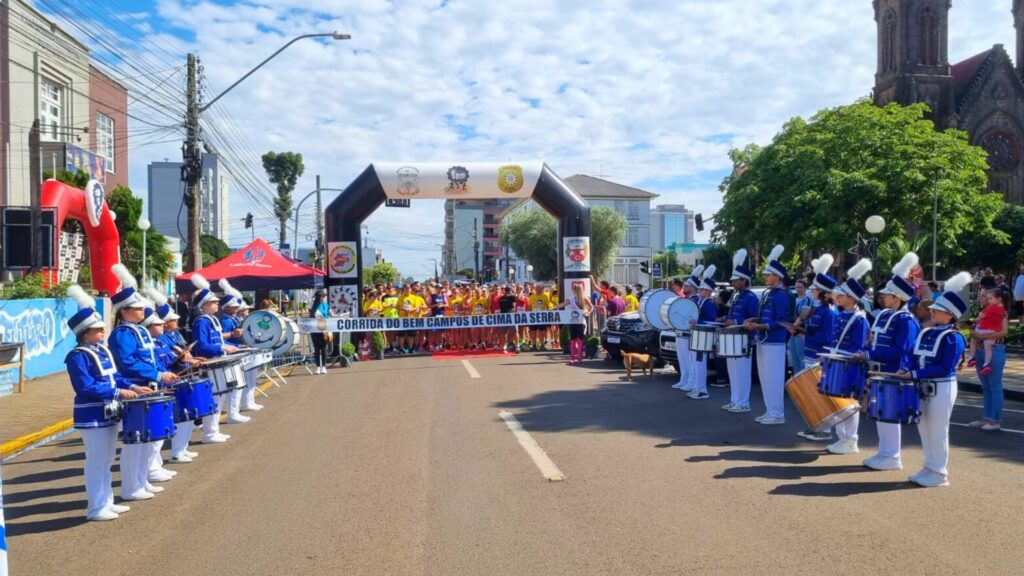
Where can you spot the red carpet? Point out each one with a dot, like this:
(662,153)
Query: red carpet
(451,354)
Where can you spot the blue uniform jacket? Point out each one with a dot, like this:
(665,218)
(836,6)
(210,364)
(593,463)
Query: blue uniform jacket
(96,382)
(708,311)
(134,353)
(850,340)
(818,330)
(744,306)
(937,353)
(775,308)
(229,324)
(207,333)
(894,334)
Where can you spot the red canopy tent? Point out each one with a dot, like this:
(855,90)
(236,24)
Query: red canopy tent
(258,266)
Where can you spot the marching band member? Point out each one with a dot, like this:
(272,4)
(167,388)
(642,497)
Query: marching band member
(97,384)
(133,352)
(744,306)
(172,350)
(249,396)
(208,338)
(154,324)
(771,346)
(708,314)
(851,334)
(231,322)
(683,337)
(892,340)
(819,325)
(936,354)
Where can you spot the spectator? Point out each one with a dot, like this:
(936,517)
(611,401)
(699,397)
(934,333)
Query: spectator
(616,305)
(935,292)
(992,380)
(1018,295)
(991,320)
(632,303)
(803,306)
(920,311)
(320,311)
(1001,284)
(639,290)
(268,304)
(987,280)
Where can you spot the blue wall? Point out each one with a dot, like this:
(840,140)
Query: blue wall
(43,326)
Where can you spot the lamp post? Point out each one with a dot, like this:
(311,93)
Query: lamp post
(875,225)
(511,275)
(529,272)
(435,268)
(295,227)
(144,226)
(935,232)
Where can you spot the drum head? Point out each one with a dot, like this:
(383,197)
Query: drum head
(288,337)
(679,312)
(650,307)
(263,329)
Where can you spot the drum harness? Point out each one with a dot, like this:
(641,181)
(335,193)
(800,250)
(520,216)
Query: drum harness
(110,409)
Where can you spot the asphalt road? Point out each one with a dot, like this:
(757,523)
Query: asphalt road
(404,467)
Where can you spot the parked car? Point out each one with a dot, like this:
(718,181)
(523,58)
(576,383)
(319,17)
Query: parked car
(628,333)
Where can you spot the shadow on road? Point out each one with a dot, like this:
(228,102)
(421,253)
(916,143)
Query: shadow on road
(840,489)
(41,526)
(789,472)
(780,457)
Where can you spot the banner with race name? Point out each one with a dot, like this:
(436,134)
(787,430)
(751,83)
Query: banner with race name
(317,325)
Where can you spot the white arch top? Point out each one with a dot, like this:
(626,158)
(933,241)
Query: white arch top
(458,180)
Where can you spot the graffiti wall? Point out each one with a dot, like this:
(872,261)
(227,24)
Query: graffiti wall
(42,325)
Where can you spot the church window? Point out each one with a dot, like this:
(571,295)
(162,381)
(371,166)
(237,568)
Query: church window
(1003,150)
(928,40)
(889,43)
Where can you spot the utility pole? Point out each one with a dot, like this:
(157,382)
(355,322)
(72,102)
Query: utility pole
(35,184)
(191,170)
(319,244)
(476,254)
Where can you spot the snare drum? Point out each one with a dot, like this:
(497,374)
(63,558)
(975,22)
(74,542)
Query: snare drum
(147,419)
(703,338)
(842,376)
(227,377)
(893,400)
(732,342)
(821,412)
(193,399)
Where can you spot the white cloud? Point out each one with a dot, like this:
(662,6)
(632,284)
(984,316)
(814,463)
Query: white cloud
(651,92)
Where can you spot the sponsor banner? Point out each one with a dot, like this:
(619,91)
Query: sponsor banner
(342,261)
(343,299)
(310,325)
(458,180)
(576,253)
(571,283)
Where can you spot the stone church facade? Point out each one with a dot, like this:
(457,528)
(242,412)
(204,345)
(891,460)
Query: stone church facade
(983,95)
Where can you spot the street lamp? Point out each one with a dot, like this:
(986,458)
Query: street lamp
(295,228)
(529,272)
(511,275)
(144,226)
(875,225)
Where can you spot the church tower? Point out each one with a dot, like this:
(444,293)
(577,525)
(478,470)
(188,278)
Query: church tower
(913,55)
(1018,24)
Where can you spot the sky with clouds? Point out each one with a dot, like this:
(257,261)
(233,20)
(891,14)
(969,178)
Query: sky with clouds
(649,93)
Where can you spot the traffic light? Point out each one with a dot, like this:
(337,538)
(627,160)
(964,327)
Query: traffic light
(645,266)
(699,221)
(248,220)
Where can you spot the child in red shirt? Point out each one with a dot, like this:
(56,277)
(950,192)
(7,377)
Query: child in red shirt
(989,321)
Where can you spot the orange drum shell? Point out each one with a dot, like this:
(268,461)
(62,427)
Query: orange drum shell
(820,411)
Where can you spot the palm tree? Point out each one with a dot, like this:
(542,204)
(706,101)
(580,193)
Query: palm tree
(893,249)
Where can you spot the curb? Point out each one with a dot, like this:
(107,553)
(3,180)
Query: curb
(1008,393)
(18,446)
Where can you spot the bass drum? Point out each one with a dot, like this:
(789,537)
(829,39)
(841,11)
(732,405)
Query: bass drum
(264,330)
(677,313)
(291,332)
(650,307)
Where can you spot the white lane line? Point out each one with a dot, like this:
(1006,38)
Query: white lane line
(540,458)
(469,368)
(1012,430)
(981,406)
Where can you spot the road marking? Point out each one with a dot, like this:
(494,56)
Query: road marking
(981,406)
(469,368)
(1012,430)
(540,458)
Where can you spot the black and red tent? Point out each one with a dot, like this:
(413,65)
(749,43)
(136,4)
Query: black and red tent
(258,266)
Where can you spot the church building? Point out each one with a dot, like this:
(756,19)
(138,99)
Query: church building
(983,95)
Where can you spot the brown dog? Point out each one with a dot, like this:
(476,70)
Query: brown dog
(642,361)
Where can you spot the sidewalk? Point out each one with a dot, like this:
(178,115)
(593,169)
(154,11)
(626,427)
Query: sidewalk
(1013,378)
(47,401)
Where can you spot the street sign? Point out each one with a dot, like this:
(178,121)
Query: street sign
(657,270)
(396,203)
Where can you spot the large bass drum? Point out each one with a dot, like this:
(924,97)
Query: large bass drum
(264,329)
(650,307)
(677,313)
(288,341)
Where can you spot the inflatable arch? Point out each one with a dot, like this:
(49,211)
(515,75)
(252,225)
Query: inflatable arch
(90,208)
(465,181)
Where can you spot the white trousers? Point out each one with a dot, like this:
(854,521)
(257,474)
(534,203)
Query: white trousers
(771,371)
(889,439)
(934,426)
(739,380)
(211,423)
(698,372)
(100,450)
(249,394)
(235,401)
(179,442)
(134,468)
(682,356)
(156,460)
(847,429)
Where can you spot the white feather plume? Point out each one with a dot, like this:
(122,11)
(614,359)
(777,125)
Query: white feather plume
(709,272)
(739,257)
(862,267)
(905,265)
(823,264)
(957,283)
(777,251)
(228,289)
(698,270)
(199,282)
(126,278)
(155,296)
(814,264)
(78,294)
(147,304)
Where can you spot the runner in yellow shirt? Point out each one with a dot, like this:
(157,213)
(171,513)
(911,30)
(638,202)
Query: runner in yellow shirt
(539,301)
(632,304)
(410,305)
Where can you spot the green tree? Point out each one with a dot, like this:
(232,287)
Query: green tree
(213,248)
(383,273)
(534,237)
(670,266)
(1001,256)
(284,170)
(813,187)
(77,179)
(128,207)
(467,272)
